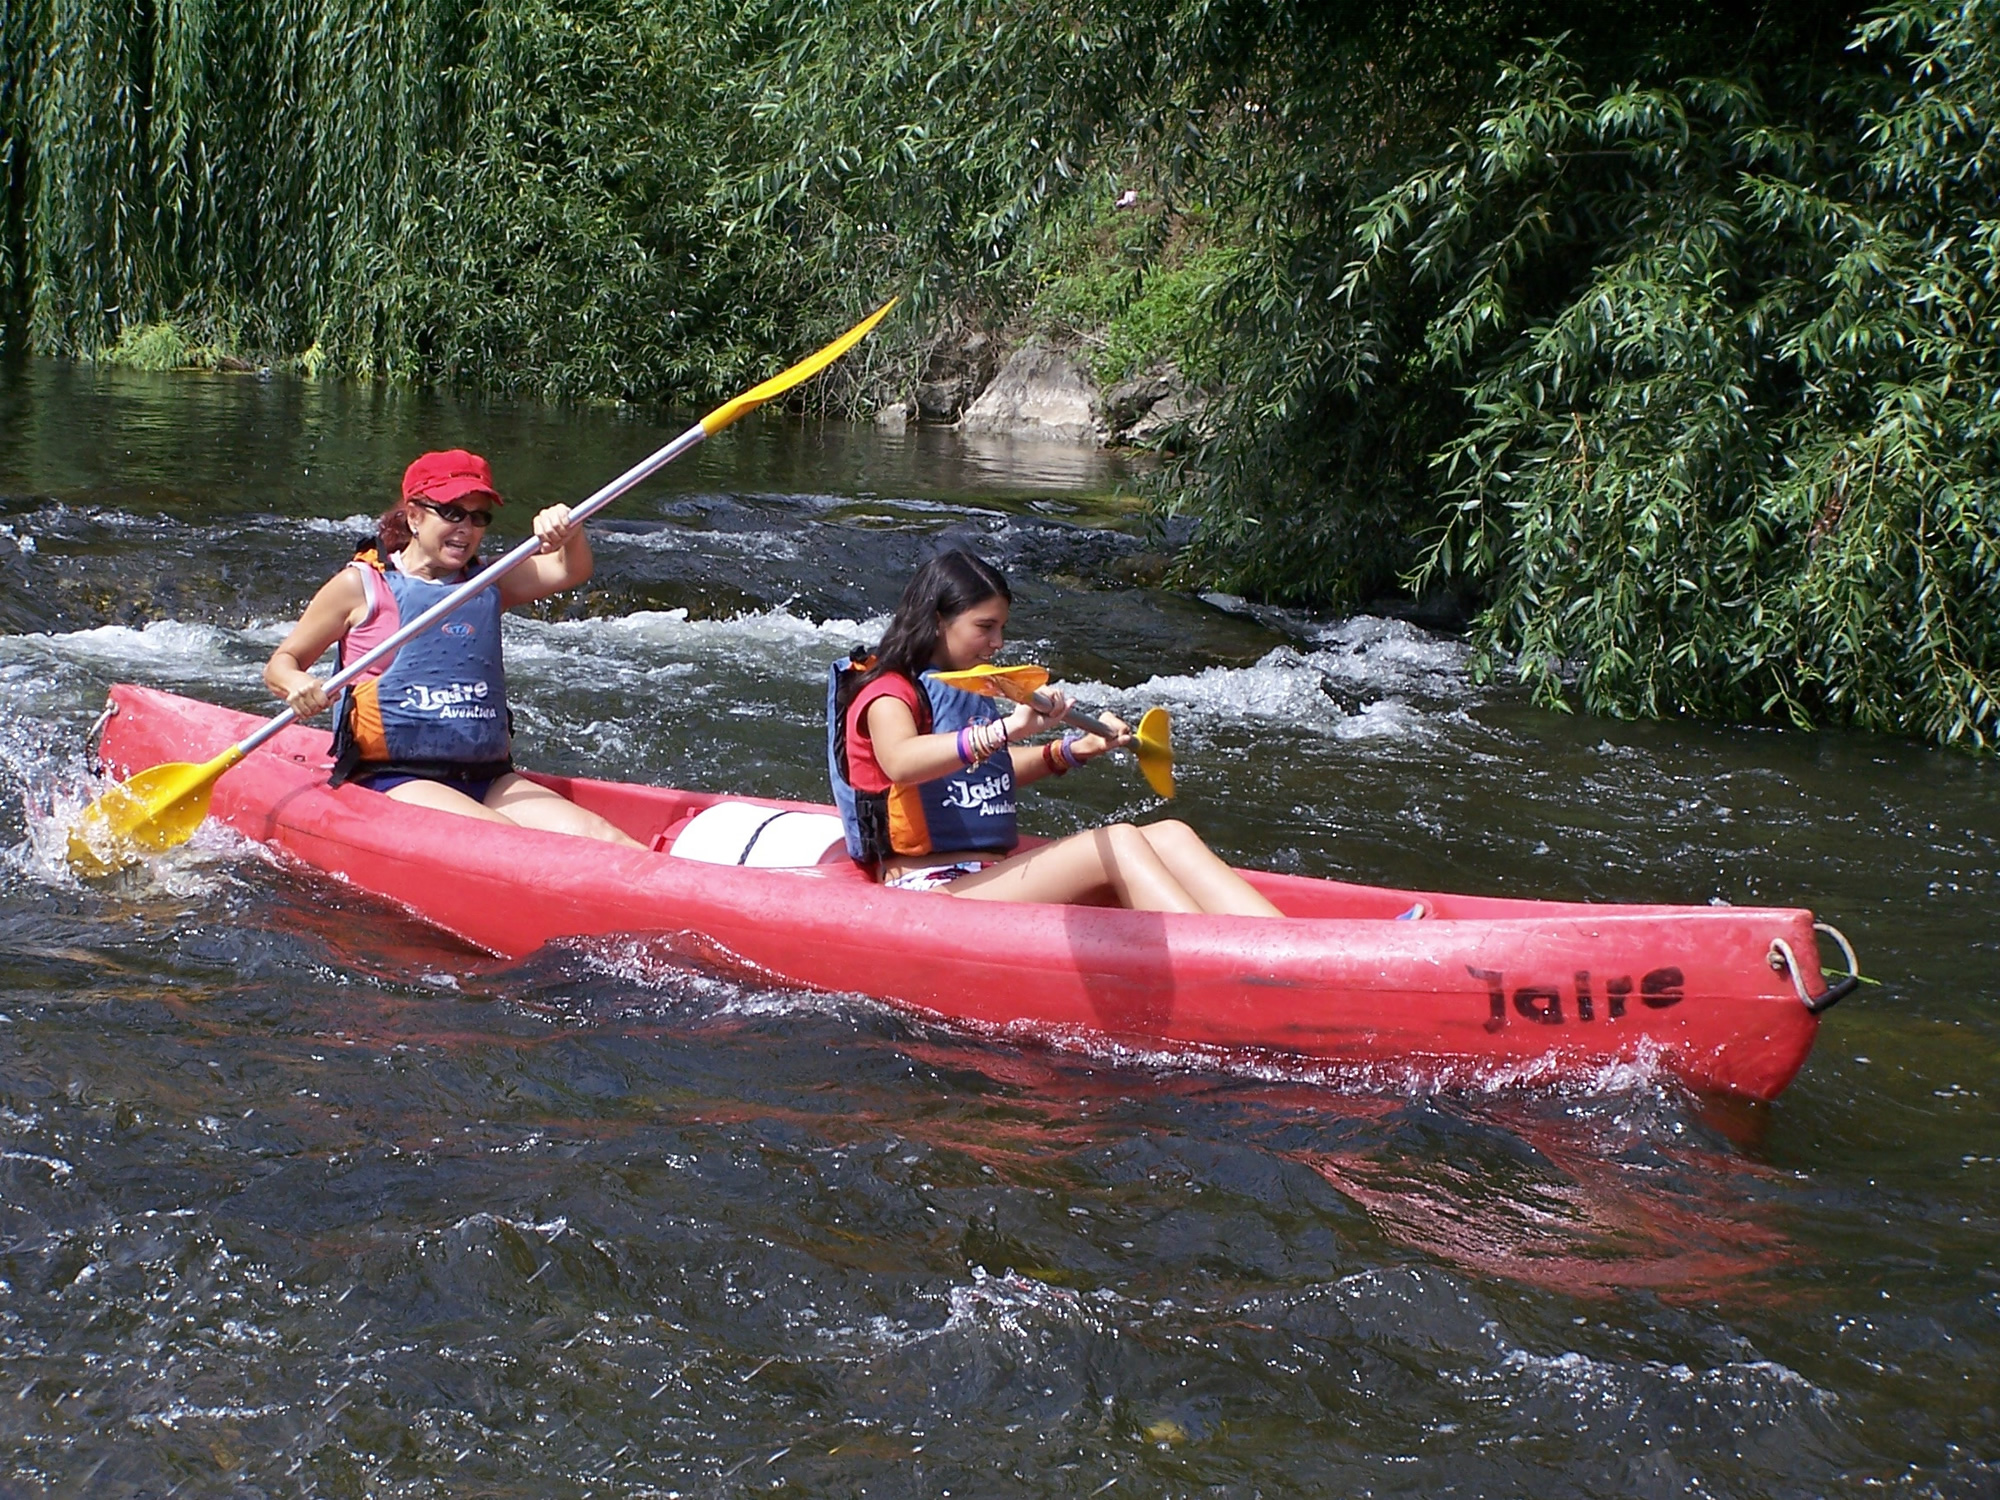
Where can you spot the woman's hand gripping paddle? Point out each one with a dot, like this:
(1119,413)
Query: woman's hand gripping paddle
(1152,739)
(161,807)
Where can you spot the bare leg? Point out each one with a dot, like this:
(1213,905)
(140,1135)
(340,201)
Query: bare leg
(442,798)
(1071,869)
(514,800)
(1199,871)
(533,805)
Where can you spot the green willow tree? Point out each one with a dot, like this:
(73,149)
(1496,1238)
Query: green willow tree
(1748,460)
(1668,349)
(1311,481)
(520,195)
(238,165)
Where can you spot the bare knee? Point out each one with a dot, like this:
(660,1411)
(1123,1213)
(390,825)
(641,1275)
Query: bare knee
(1123,839)
(1171,834)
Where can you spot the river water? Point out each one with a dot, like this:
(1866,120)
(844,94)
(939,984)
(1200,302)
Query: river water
(298,1197)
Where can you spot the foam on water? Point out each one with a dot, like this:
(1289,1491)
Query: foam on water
(1394,683)
(686,972)
(765,546)
(162,650)
(347,526)
(1409,683)
(55,1166)
(51,803)
(179,1412)
(1009,1315)
(1368,678)
(1644,1076)
(772,640)
(1384,654)
(43,719)
(1737,1395)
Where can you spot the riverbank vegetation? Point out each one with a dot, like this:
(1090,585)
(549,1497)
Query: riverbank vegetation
(1659,337)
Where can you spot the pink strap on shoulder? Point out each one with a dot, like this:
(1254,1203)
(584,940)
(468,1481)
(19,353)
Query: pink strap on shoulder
(382,620)
(372,586)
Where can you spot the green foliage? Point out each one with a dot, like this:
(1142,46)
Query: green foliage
(1163,316)
(167,345)
(1671,346)
(153,346)
(1732,384)
(1310,480)
(529,196)
(1131,287)
(569,244)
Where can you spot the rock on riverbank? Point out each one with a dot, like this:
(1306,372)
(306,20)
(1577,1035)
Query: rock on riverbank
(1040,393)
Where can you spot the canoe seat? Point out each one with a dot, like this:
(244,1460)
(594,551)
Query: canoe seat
(759,836)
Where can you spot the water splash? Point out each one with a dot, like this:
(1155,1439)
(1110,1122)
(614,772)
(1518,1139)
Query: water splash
(775,640)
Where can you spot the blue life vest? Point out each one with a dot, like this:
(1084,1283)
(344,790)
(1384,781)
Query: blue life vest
(439,708)
(863,815)
(971,809)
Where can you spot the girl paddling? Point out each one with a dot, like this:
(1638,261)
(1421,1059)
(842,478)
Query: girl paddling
(926,774)
(430,726)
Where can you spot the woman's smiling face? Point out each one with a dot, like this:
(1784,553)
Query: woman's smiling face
(972,637)
(446,545)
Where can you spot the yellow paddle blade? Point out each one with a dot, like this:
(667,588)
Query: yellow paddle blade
(1153,739)
(148,813)
(989,681)
(798,374)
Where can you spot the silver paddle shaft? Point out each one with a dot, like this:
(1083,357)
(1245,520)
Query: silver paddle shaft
(1076,718)
(485,578)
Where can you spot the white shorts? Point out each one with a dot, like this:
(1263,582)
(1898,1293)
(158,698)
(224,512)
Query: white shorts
(934,877)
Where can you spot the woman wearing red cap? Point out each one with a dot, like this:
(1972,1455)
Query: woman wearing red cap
(429,726)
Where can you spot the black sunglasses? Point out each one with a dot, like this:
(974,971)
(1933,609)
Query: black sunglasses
(453,514)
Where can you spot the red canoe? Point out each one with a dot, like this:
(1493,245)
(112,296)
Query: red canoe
(1474,988)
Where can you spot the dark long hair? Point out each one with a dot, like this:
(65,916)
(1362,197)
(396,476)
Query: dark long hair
(942,589)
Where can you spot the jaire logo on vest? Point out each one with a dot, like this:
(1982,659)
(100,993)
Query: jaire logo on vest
(983,797)
(462,700)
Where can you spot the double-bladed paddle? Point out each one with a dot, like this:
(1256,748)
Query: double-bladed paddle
(1024,684)
(161,807)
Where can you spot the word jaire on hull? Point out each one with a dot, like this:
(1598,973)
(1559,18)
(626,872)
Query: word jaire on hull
(1543,1003)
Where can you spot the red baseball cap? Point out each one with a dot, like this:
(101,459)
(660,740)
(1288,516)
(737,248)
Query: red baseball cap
(449,475)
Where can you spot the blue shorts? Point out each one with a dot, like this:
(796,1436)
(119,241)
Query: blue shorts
(476,790)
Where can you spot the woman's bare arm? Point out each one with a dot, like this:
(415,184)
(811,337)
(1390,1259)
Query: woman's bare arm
(337,608)
(564,561)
